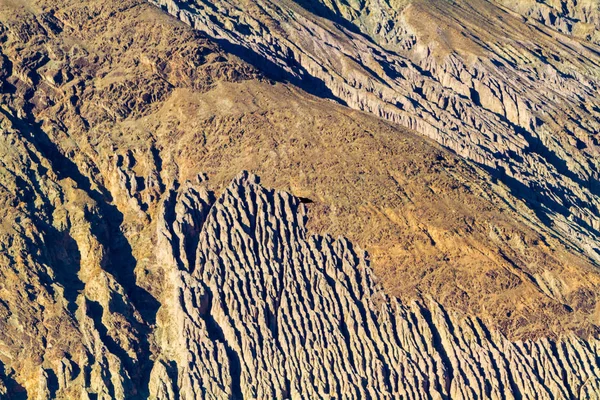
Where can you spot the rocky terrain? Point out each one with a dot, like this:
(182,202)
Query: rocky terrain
(516,98)
(138,261)
(262,309)
(577,18)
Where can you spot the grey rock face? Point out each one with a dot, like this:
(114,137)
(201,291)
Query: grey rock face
(579,18)
(260,308)
(518,100)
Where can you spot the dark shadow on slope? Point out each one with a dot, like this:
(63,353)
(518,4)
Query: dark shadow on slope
(172,373)
(334,15)
(561,367)
(215,333)
(95,311)
(271,70)
(14,391)
(51,383)
(66,261)
(439,347)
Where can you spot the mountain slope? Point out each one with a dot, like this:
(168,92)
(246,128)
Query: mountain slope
(122,130)
(268,311)
(516,98)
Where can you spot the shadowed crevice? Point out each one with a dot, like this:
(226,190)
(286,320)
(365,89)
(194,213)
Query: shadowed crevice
(215,333)
(14,390)
(441,351)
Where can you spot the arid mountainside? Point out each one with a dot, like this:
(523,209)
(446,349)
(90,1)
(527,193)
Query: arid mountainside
(515,97)
(267,311)
(137,260)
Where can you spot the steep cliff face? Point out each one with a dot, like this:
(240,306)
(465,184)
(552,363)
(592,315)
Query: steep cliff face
(137,262)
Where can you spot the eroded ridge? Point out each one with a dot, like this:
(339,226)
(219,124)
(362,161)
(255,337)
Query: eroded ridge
(263,309)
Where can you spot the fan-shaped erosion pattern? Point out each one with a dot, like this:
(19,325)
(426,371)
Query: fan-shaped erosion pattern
(261,308)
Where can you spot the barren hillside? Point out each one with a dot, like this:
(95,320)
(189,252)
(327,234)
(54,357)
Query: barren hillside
(425,224)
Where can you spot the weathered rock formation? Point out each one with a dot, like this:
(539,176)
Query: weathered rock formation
(131,266)
(260,308)
(254,306)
